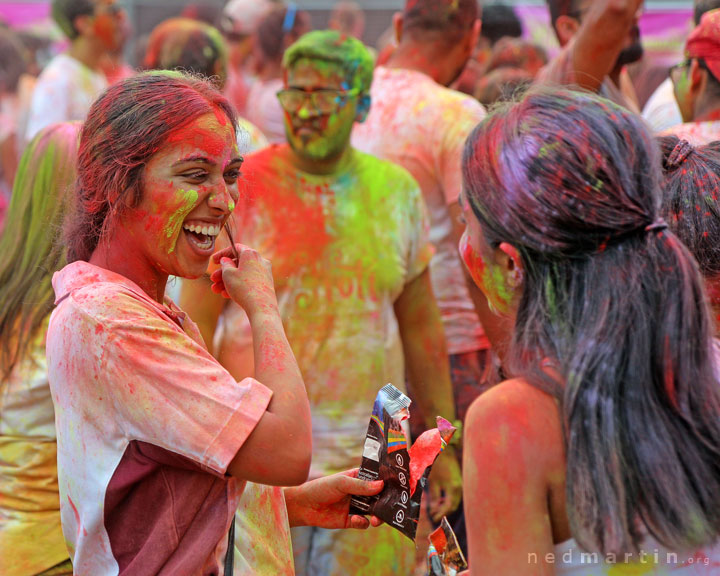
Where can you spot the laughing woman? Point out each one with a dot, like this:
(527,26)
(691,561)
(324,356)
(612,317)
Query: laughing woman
(155,438)
(602,454)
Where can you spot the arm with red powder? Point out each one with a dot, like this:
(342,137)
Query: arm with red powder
(428,369)
(600,39)
(278,451)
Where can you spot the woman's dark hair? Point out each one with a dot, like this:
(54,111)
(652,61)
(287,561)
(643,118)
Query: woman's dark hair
(691,198)
(187,45)
(616,303)
(124,128)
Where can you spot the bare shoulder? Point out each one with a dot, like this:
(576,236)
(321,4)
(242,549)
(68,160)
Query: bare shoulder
(516,418)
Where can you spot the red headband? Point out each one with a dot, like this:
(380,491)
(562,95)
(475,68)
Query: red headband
(704,42)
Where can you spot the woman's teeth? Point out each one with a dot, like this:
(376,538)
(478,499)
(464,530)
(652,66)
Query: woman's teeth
(206,230)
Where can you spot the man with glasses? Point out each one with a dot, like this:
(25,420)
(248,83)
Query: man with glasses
(598,38)
(71,81)
(347,237)
(696,81)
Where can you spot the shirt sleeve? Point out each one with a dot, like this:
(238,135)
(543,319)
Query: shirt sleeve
(169,391)
(468,114)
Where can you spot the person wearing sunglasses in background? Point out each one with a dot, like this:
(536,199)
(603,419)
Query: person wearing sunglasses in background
(696,81)
(347,235)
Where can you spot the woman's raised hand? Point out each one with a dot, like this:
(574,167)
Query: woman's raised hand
(248,280)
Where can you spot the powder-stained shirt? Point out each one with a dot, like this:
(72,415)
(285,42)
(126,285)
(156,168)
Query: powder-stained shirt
(697,133)
(561,70)
(147,423)
(262,533)
(31,539)
(343,247)
(422,126)
(64,92)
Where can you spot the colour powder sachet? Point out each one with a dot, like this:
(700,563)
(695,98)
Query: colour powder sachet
(386,457)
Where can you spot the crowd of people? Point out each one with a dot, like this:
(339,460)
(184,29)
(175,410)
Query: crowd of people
(210,264)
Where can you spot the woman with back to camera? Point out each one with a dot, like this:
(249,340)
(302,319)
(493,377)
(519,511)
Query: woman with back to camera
(31,540)
(691,204)
(601,453)
(155,438)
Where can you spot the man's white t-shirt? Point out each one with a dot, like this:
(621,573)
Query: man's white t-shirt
(422,126)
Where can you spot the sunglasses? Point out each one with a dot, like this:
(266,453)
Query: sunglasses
(324,100)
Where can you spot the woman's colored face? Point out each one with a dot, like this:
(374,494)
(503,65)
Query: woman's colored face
(480,262)
(189,190)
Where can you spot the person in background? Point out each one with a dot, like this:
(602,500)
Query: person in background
(420,124)
(512,67)
(71,81)
(696,81)
(277,30)
(347,17)
(114,66)
(598,38)
(498,21)
(238,23)
(346,233)
(31,538)
(502,85)
(196,47)
(13,66)
(599,454)
(661,110)
(690,204)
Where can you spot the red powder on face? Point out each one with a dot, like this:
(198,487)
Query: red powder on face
(473,261)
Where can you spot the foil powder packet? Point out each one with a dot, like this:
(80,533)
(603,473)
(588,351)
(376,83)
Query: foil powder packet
(386,457)
(445,558)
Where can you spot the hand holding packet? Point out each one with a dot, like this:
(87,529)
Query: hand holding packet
(386,457)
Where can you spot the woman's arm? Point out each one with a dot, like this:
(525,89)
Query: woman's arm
(513,448)
(279,449)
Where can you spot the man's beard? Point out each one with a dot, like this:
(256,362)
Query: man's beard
(632,53)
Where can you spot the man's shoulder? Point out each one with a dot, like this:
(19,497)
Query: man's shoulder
(433,97)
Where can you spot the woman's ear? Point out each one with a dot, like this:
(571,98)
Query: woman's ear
(511,263)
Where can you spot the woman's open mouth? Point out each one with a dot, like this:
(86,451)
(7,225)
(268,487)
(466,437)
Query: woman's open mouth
(202,236)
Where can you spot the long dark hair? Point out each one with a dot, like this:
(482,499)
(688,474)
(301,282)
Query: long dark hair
(29,251)
(616,302)
(124,128)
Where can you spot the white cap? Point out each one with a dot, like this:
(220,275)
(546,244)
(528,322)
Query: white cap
(243,16)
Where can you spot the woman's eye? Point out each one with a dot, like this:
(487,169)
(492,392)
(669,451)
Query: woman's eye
(461,219)
(232,175)
(195,175)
